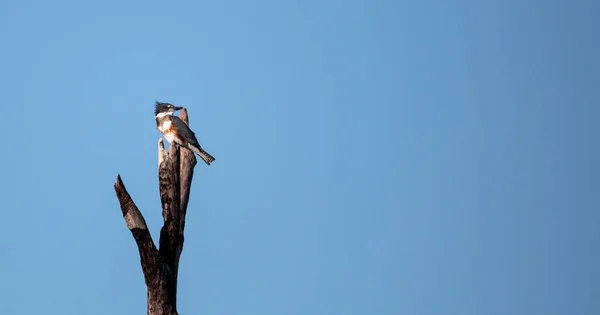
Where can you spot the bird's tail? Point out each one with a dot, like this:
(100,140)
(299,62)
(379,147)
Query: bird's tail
(207,158)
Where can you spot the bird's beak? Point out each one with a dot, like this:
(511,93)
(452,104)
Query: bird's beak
(178,108)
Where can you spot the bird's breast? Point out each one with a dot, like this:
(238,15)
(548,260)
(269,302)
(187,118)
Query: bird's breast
(170,136)
(164,126)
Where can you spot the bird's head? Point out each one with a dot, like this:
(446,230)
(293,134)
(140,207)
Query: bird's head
(164,109)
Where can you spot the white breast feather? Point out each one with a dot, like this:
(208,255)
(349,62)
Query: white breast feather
(166,125)
(164,128)
(170,136)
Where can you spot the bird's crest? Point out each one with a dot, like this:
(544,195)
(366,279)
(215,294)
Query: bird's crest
(159,107)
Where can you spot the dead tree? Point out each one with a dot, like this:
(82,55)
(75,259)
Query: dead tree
(160,266)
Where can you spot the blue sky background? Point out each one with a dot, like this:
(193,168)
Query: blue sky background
(373,157)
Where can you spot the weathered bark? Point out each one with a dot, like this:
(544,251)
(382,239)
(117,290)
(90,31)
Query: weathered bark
(160,266)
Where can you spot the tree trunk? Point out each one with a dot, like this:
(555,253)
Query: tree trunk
(160,266)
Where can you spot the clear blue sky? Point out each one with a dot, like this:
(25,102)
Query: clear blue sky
(373,157)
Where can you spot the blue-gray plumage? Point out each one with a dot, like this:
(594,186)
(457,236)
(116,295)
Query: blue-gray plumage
(176,131)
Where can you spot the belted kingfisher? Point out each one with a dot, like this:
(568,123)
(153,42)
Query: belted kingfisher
(176,131)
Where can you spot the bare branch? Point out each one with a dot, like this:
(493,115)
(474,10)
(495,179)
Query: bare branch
(168,174)
(137,225)
(162,154)
(131,213)
(184,116)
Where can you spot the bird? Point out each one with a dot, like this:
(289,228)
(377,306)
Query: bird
(176,131)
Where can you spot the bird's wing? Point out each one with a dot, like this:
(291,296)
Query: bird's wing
(183,129)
